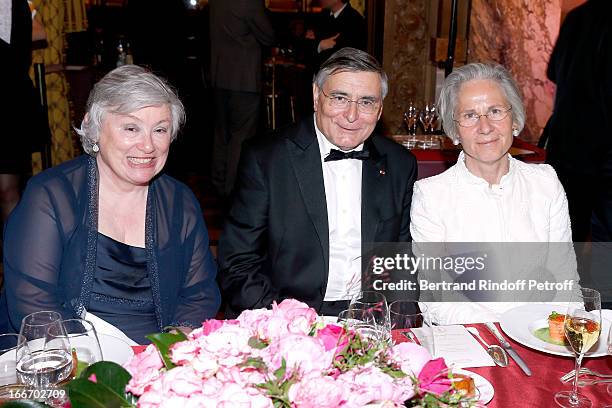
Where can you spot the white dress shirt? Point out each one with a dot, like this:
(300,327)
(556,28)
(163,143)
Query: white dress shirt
(342,179)
(528,205)
(6,10)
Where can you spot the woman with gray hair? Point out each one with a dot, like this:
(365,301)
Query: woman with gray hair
(487,196)
(107,233)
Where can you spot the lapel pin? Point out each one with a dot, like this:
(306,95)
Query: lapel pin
(382,172)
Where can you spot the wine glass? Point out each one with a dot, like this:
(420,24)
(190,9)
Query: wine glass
(372,308)
(43,361)
(9,343)
(405,317)
(82,337)
(582,328)
(411,118)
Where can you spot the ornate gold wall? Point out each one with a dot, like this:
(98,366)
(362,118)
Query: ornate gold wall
(520,35)
(405,58)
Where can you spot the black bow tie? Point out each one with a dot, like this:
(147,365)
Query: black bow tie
(335,154)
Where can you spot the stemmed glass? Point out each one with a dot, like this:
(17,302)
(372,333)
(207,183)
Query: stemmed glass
(43,361)
(411,119)
(405,317)
(428,118)
(372,309)
(582,329)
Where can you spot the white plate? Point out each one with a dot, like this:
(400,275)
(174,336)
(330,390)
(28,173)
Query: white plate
(520,323)
(114,349)
(485,388)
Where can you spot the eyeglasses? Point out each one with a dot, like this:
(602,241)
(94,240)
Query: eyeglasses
(365,105)
(469,119)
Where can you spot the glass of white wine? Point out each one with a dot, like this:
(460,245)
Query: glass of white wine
(582,329)
(43,361)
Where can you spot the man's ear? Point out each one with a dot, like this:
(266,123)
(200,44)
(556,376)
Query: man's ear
(315,96)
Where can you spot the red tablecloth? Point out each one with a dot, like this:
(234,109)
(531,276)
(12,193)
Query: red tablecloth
(514,389)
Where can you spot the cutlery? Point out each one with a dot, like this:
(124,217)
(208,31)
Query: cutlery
(582,383)
(497,353)
(567,377)
(506,346)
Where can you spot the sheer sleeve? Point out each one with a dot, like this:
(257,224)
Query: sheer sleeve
(33,255)
(199,298)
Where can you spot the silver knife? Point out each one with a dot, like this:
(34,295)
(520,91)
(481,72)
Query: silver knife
(506,346)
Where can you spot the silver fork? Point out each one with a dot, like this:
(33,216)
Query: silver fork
(582,383)
(569,376)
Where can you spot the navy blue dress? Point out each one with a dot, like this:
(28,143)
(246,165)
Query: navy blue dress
(121,292)
(52,251)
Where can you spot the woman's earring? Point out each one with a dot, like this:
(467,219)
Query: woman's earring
(515,132)
(95,148)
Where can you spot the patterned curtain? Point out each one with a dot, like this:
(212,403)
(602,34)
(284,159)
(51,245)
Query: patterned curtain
(58,16)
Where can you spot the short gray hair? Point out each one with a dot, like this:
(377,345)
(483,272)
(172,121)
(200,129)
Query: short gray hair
(351,60)
(449,95)
(124,90)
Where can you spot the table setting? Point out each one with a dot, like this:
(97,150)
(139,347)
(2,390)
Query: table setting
(374,354)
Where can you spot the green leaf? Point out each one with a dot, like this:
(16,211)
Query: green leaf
(255,362)
(23,404)
(280,372)
(86,394)
(109,374)
(256,343)
(163,341)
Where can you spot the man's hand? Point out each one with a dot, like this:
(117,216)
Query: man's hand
(328,43)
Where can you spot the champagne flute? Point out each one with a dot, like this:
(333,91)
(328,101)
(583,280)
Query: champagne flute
(43,361)
(582,328)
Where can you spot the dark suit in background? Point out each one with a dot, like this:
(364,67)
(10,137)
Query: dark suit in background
(238,29)
(275,244)
(580,130)
(349,24)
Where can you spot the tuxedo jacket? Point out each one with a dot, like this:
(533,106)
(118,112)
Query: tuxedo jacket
(238,29)
(349,24)
(275,243)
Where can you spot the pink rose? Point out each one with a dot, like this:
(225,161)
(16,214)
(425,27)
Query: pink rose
(227,346)
(293,309)
(333,337)
(232,395)
(410,357)
(144,368)
(243,376)
(318,392)
(434,377)
(273,328)
(303,353)
(370,384)
(208,327)
(182,381)
(184,351)
(251,319)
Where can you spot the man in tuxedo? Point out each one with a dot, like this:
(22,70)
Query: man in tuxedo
(238,30)
(308,199)
(338,26)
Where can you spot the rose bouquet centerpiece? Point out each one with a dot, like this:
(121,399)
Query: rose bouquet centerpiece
(285,356)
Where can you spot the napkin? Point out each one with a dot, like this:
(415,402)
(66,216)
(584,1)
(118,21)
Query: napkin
(104,327)
(456,345)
